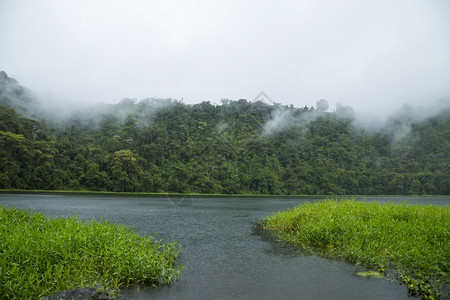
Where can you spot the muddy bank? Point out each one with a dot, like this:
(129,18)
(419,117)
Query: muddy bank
(81,294)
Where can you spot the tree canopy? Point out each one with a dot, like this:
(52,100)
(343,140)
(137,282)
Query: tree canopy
(236,147)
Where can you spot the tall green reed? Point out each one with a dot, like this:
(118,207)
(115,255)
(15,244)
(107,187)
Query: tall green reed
(39,256)
(412,241)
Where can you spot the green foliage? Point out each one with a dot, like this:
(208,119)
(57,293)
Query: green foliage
(41,256)
(125,171)
(236,147)
(409,240)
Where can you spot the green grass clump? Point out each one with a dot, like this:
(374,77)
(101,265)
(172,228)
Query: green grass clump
(40,256)
(413,241)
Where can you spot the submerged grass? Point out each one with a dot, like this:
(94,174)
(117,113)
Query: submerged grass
(40,256)
(412,241)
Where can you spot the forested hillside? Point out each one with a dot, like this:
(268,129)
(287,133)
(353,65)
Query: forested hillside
(236,147)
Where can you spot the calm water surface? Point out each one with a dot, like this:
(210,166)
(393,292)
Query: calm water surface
(224,253)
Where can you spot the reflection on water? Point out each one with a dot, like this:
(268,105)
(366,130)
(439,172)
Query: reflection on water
(275,245)
(226,256)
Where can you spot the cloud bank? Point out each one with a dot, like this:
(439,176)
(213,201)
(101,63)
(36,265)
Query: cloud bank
(374,56)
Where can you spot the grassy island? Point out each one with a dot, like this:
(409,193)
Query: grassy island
(40,256)
(410,241)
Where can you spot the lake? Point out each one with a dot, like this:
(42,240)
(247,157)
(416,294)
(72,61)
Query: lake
(225,255)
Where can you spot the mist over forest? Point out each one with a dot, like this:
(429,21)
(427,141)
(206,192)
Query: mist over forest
(235,147)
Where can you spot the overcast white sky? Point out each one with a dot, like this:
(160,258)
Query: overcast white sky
(372,55)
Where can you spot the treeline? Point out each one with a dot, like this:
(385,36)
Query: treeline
(236,147)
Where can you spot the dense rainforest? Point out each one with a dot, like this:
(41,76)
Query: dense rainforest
(164,145)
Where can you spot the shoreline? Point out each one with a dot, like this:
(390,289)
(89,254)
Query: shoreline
(200,195)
